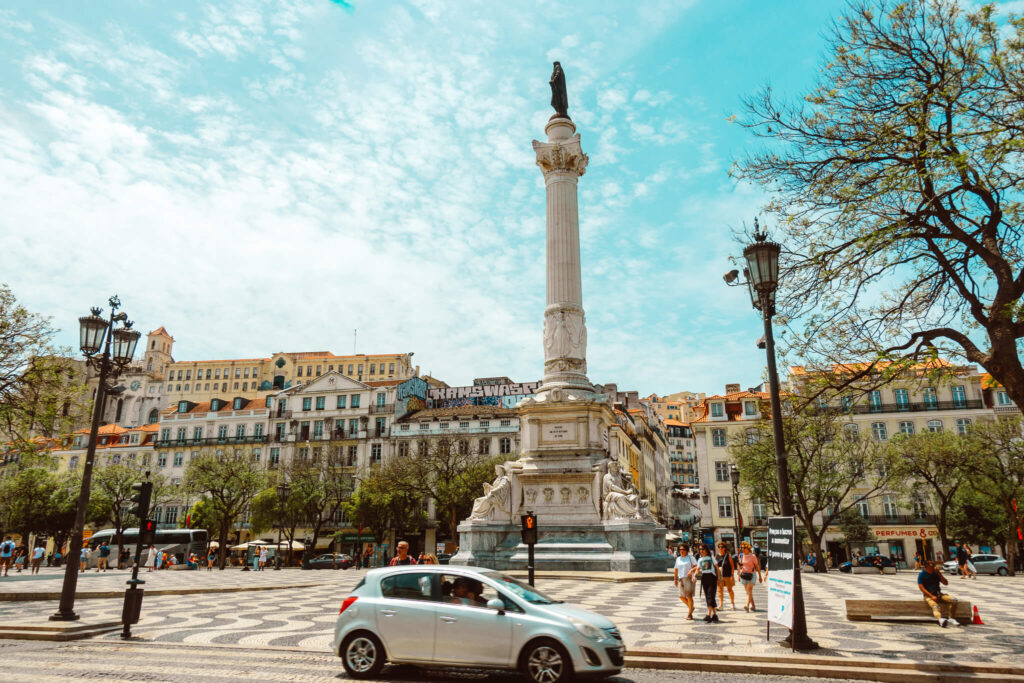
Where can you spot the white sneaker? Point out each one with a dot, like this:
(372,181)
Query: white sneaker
(942,622)
(953,622)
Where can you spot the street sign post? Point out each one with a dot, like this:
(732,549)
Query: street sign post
(781,559)
(529,522)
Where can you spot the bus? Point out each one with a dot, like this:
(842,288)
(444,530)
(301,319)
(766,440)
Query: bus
(177,542)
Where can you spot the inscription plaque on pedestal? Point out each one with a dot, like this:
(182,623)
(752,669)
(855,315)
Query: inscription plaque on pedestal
(558,432)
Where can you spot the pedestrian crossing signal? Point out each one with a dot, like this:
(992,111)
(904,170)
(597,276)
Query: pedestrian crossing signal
(148,531)
(529,522)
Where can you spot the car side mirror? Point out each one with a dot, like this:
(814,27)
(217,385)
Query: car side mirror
(496,604)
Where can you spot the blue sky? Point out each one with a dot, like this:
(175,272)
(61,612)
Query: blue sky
(262,177)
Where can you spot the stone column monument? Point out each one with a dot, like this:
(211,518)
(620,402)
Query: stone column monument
(589,516)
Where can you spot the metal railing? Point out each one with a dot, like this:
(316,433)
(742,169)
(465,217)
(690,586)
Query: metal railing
(909,407)
(212,441)
(387,408)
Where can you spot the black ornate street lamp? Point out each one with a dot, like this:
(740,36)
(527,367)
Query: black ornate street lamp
(118,346)
(282,497)
(734,474)
(762,280)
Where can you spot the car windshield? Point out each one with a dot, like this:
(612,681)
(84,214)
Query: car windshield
(521,589)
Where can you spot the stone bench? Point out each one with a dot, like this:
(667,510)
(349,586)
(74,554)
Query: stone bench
(872,570)
(866,610)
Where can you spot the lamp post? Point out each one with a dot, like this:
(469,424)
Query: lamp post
(107,347)
(762,280)
(734,474)
(282,497)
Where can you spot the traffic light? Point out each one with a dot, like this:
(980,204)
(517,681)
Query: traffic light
(529,521)
(139,501)
(147,531)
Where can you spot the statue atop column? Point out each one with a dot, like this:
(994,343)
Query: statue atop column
(559,97)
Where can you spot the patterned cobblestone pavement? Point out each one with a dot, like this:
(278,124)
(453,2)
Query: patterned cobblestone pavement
(649,615)
(170,663)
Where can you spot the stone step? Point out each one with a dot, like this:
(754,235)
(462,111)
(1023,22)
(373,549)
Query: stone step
(57,630)
(852,670)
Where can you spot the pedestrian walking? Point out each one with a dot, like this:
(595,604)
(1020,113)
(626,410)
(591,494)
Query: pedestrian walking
(256,559)
(917,561)
(367,558)
(429,559)
(83,558)
(971,569)
(708,571)
(104,556)
(37,558)
(727,569)
(684,564)
(748,567)
(20,556)
(6,554)
(210,558)
(263,557)
(151,558)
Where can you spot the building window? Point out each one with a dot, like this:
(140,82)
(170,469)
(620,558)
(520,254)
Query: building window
(391,368)
(725,506)
(717,410)
(889,508)
(1003,398)
(760,509)
(381,425)
(749,408)
(373,369)
(352,453)
(318,429)
(464,424)
(375,451)
(959,397)
(341,401)
(275,456)
(222,432)
(318,370)
(875,401)
(505,446)
(907,428)
(485,446)
(257,431)
(934,425)
(298,371)
(73,462)
(862,508)
(161,460)
(424,425)
(403,448)
(307,403)
(752,435)
(444,425)
(847,403)
(718,437)
(179,459)
(721,470)
(963,425)
(172,515)
(503,423)
(878,431)
(382,398)
(355,400)
(353,428)
(304,454)
(320,402)
(931,401)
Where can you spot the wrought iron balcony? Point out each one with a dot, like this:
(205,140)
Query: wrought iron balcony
(909,407)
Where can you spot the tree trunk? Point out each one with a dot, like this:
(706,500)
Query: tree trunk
(453,523)
(815,537)
(222,551)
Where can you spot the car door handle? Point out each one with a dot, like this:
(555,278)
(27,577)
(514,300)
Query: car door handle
(449,620)
(388,612)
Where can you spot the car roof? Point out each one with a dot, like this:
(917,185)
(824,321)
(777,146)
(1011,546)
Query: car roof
(435,568)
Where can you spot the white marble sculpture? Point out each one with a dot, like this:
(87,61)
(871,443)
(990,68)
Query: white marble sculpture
(621,502)
(496,499)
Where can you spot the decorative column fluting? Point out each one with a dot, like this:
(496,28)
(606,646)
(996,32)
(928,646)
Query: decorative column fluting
(562,162)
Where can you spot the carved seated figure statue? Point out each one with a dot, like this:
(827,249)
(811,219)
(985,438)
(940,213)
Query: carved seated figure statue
(619,502)
(496,498)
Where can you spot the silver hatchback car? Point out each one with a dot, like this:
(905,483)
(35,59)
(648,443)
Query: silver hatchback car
(446,616)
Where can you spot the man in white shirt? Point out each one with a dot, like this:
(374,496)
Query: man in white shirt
(684,564)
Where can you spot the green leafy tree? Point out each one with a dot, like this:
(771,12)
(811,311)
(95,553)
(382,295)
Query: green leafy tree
(228,482)
(42,390)
(976,518)
(382,502)
(112,492)
(896,181)
(997,473)
(934,465)
(855,529)
(828,462)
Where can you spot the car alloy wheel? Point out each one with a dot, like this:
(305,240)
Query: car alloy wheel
(362,655)
(1003,571)
(546,664)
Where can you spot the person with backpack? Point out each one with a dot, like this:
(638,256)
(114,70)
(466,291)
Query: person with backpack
(6,554)
(104,557)
(708,571)
(37,558)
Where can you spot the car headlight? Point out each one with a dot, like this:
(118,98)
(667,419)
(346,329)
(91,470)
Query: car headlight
(588,631)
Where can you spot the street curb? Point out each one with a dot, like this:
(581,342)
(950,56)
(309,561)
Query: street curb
(894,671)
(27,596)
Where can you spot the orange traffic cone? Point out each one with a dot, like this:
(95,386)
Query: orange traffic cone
(977,617)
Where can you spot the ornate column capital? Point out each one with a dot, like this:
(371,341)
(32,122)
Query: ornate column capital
(563,156)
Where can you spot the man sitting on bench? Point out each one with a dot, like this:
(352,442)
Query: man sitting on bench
(931,581)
